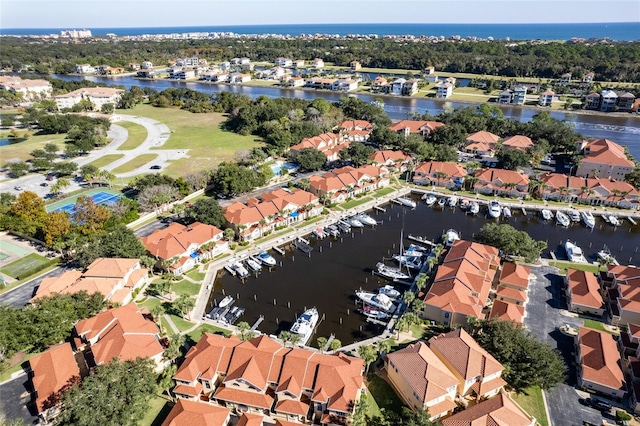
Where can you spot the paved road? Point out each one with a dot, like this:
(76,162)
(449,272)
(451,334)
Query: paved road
(15,398)
(546,299)
(19,296)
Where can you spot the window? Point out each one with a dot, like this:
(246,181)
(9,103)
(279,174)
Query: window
(447,314)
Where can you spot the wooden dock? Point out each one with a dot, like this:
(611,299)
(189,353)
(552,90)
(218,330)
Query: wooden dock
(375,321)
(421,240)
(380,209)
(630,219)
(279,250)
(257,323)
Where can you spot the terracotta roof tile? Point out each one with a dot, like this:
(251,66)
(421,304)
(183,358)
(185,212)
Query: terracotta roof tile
(252,399)
(512,293)
(507,311)
(584,288)
(248,419)
(600,358)
(518,142)
(483,137)
(604,151)
(415,126)
(497,411)
(189,413)
(53,371)
(515,275)
(176,239)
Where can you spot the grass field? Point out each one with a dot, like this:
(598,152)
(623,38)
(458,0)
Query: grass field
(195,274)
(562,266)
(531,401)
(183,325)
(383,394)
(137,135)
(21,150)
(186,287)
(596,325)
(201,134)
(106,159)
(156,411)
(139,161)
(25,266)
(196,334)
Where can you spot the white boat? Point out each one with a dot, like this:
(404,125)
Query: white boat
(319,232)
(365,219)
(442,201)
(588,219)
(266,258)
(494,209)
(416,250)
(343,226)
(374,313)
(224,302)
(574,215)
(332,230)
(377,300)
(354,222)
(431,199)
(465,204)
(305,324)
(412,262)
(562,219)
(606,255)
(453,201)
(240,270)
(613,220)
(390,272)
(407,202)
(450,237)
(506,212)
(390,292)
(574,253)
(546,214)
(253,264)
(474,208)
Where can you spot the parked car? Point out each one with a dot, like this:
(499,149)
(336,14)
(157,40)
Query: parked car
(601,405)
(49,178)
(585,401)
(155,167)
(44,184)
(17,188)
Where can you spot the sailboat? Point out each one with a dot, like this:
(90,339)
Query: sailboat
(394,273)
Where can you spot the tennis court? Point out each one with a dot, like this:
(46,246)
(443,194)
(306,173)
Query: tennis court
(6,246)
(99,196)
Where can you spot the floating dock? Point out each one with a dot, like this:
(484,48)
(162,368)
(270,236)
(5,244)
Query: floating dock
(421,240)
(257,323)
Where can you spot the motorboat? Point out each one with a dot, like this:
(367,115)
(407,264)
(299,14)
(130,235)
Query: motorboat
(225,301)
(416,250)
(474,208)
(319,232)
(266,258)
(494,209)
(613,220)
(343,226)
(332,230)
(546,214)
(574,215)
(574,253)
(506,212)
(453,201)
(588,219)
(354,222)
(253,264)
(450,237)
(365,219)
(390,291)
(464,204)
(377,300)
(606,255)
(412,262)
(239,269)
(390,272)
(431,199)
(374,313)
(562,219)
(442,201)
(305,325)
(407,202)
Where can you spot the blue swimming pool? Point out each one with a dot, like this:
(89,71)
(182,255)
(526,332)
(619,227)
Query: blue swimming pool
(277,168)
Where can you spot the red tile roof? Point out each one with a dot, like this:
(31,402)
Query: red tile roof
(604,151)
(431,167)
(507,311)
(53,371)
(518,142)
(415,126)
(176,239)
(515,275)
(484,137)
(237,396)
(504,176)
(247,419)
(512,293)
(600,358)
(210,356)
(498,411)
(584,288)
(190,413)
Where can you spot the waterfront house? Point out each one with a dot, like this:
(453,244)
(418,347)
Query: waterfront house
(283,62)
(622,290)
(481,143)
(181,73)
(52,373)
(355,66)
(462,283)
(344,85)
(126,332)
(298,63)
(439,173)
(605,159)
(392,160)
(339,185)
(329,144)
(444,89)
(275,209)
(290,81)
(180,248)
(546,98)
(355,130)
(565,78)
(318,63)
(396,86)
(593,191)
(407,127)
(428,71)
(190,61)
(98,96)
(189,413)
(380,84)
(588,77)
(519,95)
(422,380)
(598,362)
(410,87)
(592,101)
(145,65)
(478,372)
(241,78)
(146,73)
(517,142)
(505,97)
(260,376)
(501,410)
(432,78)
(626,101)
(608,101)
(114,278)
(510,183)
(30,89)
(583,292)
(84,69)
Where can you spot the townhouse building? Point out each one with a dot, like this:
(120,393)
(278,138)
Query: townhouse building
(604,158)
(439,173)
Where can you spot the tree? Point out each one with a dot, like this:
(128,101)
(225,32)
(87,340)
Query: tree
(65,168)
(165,380)
(29,211)
(408,297)
(384,347)
(152,198)
(322,342)
(368,355)
(244,331)
(174,350)
(89,217)
(107,108)
(208,211)
(359,154)
(116,393)
(184,303)
(18,168)
(511,159)
(421,281)
(335,344)
(118,242)
(60,185)
(55,227)
(157,312)
(511,241)
(310,159)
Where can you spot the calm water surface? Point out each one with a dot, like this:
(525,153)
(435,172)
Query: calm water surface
(328,278)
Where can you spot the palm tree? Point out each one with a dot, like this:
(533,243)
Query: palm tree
(244,330)
(322,342)
(508,186)
(335,345)
(563,190)
(535,186)
(285,336)
(295,338)
(384,347)
(470,182)
(421,281)
(157,312)
(408,297)
(185,304)
(440,176)
(368,355)
(173,351)
(165,380)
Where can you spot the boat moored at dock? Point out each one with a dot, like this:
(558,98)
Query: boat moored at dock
(588,219)
(266,258)
(546,214)
(377,300)
(305,325)
(562,219)
(430,199)
(494,209)
(406,201)
(574,253)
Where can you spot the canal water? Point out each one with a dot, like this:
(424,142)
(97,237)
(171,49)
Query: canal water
(335,269)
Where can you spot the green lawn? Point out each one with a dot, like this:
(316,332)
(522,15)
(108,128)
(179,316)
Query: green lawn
(201,134)
(354,203)
(137,135)
(150,303)
(185,287)
(562,266)
(196,275)
(383,394)
(197,334)
(26,266)
(21,150)
(596,325)
(6,375)
(105,160)
(531,401)
(156,412)
(139,161)
(182,324)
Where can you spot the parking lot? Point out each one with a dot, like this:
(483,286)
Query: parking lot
(546,300)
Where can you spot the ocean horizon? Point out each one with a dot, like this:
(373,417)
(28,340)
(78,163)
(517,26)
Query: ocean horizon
(622,31)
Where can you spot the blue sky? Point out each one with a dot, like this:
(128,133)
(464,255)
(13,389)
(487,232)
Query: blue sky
(157,13)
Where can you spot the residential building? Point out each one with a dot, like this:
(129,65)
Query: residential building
(355,130)
(505,311)
(505,97)
(108,70)
(84,69)
(565,78)
(462,283)
(98,96)
(247,419)
(428,71)
(439,173)
(344,85)
(185,245)
(546,98)
(593,191)
(380,84)
(318,63)
(181,73)
(146,65)
(30,89)
(279,208)
(410,87)
(588,77)
(482,143)
(519,95)
(444,89)
(298,63)
(501,410)
(125,332)
(511,293)
(192,61)
(478,372)
(52,373)
(283,62)
(240,78)
(330,144)
(422,380)
(146,73)
(502,182)
(432,78)
(517,142)
(622,285)
(290,81)
(190,413)
(625,101)
(583,292)
(407,127)
(355,65)
(260,376)
(392,160)
(592,101)
(341,184)
(598,363)
(114,278)
(608,101)
(605,159)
